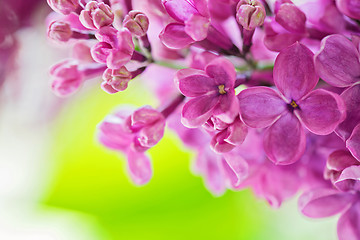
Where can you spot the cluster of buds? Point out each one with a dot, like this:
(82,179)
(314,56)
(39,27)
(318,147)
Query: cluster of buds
(247,98)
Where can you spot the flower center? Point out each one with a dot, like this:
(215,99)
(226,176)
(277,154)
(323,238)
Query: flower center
(222,89)
(294,104)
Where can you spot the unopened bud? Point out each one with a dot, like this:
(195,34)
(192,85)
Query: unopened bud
(64,6)
(66,77)
(137,23)
(250,14)
(96,15)
(60,31)
(116,80)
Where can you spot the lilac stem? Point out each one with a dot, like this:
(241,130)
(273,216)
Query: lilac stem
(93,70)
(145,43)
(137,56)
(173,105)
(80,35)
(137,72)
(247,40)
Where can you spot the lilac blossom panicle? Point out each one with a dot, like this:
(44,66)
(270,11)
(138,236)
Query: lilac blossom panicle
(267,94)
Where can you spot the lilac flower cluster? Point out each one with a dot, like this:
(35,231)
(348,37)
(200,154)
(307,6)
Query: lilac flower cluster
(247,98)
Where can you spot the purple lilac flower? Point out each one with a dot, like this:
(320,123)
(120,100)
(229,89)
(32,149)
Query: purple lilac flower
(211,92)
(344,171)
(282,112)
(115,47)
(338,64)
(295,107)
(96,15)
(133,134)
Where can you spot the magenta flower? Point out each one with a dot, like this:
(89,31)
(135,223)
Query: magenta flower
(96,15)
(220,172)
(344,172)
(296,105)
(60,31)
(192,24)
(69,75)
(137,23)
(250,14)
(211,92)
(338,64)
(67,78)
(133,134)
(115,80)
(227,136)
(287,27)
(115,47)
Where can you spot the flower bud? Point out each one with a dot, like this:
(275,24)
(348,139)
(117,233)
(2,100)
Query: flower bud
(250,14)
(96,15)
(60,31)
(67,78)
(137,23)
(116,80)
(64,6)
(115,47)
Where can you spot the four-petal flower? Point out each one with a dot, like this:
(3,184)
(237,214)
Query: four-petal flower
(296,105)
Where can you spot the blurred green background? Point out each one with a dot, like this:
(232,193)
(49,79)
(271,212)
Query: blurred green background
(92,181)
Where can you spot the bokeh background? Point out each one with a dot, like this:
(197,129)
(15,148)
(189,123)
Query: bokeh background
(58,182)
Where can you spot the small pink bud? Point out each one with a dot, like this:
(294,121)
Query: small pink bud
(64,6)
(115,47)
(60,31)
(137,23)
(115,80)
(96,15)
(250,14)
(67,78)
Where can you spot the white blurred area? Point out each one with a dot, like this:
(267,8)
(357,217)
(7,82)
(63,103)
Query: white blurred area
(27,108)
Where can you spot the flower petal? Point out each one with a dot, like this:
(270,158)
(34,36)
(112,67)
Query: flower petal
(218,143)
(348,227)
(284,141)
(351,97)
(236,169)
(179,10)
(349,179)
(150,136)
(228,138)
(276,37)
(227,108)
(339,160)
(208,164)
(321,111)
(198,110)
(324,202)
(197,27)
(291,18)
(353,143)
(113,134)
(194,82)
(349,7)
(260,106)
(174,36)
(294,71)
(337,62)
(223,71)
(139,167)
